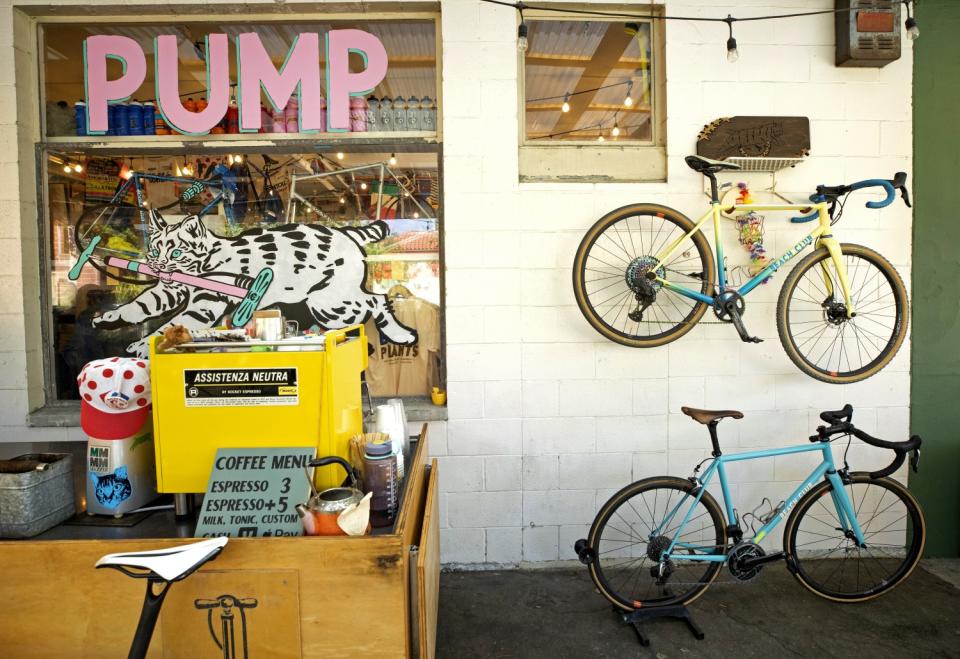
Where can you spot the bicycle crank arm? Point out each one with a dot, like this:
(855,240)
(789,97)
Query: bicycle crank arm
(750,563)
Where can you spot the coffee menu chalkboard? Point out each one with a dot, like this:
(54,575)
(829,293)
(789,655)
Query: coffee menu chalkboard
(253,491)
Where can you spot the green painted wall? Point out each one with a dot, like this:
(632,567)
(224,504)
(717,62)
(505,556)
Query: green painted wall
(935,382)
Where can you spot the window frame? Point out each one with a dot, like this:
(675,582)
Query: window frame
(587,160)
(63,412)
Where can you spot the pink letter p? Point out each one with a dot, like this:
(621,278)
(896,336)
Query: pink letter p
(341,83)
(98,89)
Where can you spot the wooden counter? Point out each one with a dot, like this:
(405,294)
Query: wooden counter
(371,596)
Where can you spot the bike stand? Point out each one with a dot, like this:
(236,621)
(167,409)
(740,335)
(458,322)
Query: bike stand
(677,612)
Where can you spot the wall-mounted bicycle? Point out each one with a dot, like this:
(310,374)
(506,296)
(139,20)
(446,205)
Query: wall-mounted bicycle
(644,275)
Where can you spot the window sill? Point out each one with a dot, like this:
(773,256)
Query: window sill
(67,415)
(592,164)
(64,415)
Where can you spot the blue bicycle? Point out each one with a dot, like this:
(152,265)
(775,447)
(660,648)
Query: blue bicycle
(850,536)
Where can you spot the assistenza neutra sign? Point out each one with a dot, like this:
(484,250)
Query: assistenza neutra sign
(300,74)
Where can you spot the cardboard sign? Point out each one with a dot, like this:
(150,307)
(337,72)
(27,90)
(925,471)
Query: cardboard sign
(240,387)
(253,491)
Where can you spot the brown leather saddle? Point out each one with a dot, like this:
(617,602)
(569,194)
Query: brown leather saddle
(706,416)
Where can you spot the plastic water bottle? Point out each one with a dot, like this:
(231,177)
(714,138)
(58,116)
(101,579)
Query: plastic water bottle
(149,118)
(111,119)
(413,113)
(358,114)
(80,115)
(121,113)
(290,115)
(399,113)
(373,114)
(135,118)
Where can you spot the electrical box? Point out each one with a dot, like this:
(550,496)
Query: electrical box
(869,33)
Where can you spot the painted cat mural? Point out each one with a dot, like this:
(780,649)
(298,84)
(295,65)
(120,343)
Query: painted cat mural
(320,267)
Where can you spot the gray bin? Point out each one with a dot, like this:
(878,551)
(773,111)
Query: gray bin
(33,501)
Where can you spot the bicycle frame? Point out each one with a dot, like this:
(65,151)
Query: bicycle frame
(845,510)
(820,235)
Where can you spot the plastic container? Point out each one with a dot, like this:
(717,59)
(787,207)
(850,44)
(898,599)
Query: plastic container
(290,116)
(413,113)
(428,114)
(358,114)
(160,126)
(121,116)
(135,118)
(399,114)
(386,114)
(233,117)
(380,478)
(80,115)
(389,422)
(33,501)
(149,118)
(373,114)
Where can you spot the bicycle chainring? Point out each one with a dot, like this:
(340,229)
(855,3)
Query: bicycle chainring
(741,551)
(721,302)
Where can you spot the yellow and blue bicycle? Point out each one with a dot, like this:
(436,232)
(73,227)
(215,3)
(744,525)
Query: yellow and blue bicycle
(644,275)
(849,536)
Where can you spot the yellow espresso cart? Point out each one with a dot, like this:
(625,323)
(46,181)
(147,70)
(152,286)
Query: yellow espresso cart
(303,392)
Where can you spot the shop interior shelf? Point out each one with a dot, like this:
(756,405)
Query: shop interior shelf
(766,165)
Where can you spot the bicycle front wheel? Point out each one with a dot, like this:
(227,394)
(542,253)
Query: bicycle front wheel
(633,530)
(613,266)
(812,315)
(828,561)
(121,235)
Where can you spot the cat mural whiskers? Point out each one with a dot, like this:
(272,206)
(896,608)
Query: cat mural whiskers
(321,267)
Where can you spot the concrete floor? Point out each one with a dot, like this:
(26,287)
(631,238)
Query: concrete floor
(557,613)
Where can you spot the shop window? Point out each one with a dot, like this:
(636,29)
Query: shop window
(593,100)
(158,211)
(346,240)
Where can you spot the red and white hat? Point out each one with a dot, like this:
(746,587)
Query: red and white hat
(114,397)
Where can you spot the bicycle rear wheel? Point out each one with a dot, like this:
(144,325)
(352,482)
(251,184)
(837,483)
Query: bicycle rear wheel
(635,527)
(812,315)
(828,561)
(610,275)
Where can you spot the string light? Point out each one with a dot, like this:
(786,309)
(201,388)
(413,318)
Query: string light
(566,103)
(78,168)
(238,159)
(343,200)
(67,169)
(616,128)
(911,23)
(339,155)
(600,133)
(732,53)
(393,159)
(628,101)
(363,186)
(416,215)
(522,43)
(913,31)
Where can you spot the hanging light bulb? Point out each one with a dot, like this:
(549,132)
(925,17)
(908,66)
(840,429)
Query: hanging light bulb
(566,103)
(628,101)
(600,138)
(78,168)
(339,155)
(416,215)
(238,159)
(343,200)
(913,31)
(67,169)
(522,43)
(616,130)
(732,53)
(393,159)
(363,186)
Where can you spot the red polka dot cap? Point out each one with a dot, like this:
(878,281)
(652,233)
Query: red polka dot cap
(115,397)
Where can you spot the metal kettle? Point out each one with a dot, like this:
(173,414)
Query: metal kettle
(319,515)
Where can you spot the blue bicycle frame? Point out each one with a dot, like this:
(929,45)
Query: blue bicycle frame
(845,510)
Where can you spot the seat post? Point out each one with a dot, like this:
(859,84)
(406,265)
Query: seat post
(148,619)
(712,426)
(714,193)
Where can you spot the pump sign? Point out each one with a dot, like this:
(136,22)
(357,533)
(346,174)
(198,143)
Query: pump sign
(299,73)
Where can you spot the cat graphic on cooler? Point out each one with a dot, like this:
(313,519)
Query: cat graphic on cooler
(112,489)
(321,267)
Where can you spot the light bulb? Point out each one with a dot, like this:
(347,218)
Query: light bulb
(238,159)
(343,200)
(363,186)
(732,53)
(600,138)
(566,103)
(393,159)
(339,155)
(229,160)
(128,174)
(67,169)
(522,43)
(627,102)
(78,168)
(912,30)
(616,130)
(179,171)
(416,215)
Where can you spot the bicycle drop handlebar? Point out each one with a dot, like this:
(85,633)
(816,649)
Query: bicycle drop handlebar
(827,193)
(841,424)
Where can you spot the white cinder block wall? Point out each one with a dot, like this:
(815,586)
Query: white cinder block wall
(546,418)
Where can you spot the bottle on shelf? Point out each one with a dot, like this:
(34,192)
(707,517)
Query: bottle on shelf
(399,114)
(373,115)
(149,118)
(80,116)
(358,114)
(413,113)
(290,115)
(233,117)
(386,114)
(380,477)
(135,118)
(121,113)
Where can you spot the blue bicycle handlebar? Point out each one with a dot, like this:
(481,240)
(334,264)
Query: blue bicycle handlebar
(869,183)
